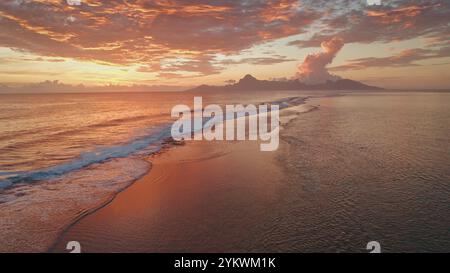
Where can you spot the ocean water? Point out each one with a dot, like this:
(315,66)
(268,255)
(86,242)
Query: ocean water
(62,155)
(43,136)
(361,167)
(366,167)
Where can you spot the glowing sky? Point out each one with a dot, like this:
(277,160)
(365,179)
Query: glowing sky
(400,44)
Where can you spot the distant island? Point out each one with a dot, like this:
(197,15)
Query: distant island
(251,83)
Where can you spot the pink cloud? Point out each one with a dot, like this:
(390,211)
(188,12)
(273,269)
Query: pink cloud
(393,21)
(408,57)
(148,32)
(313,70)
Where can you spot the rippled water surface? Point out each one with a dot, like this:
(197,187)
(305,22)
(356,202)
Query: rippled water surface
(368,167)
(361,167)
(62,155)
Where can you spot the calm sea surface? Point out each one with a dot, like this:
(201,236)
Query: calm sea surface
(368,167)
(371,166)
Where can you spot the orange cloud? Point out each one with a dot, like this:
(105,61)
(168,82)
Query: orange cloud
(392,21)
(314,69)
(182,38)
(137,32)
(407,57)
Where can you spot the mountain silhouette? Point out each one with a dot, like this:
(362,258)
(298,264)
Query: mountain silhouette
(249,82)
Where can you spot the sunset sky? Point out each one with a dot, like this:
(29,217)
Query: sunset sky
(400,44)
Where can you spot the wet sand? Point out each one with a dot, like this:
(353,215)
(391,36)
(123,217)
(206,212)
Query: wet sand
(190,201)
(342,176)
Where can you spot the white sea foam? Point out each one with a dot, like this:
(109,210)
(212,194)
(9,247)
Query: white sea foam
(33,215)
(150,143)
(36,206)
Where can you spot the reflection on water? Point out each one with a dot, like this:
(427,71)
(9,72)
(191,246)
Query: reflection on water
(45,130)
(61,155)
(368,167)
(363,167)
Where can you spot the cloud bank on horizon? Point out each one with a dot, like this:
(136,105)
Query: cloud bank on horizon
(194,39)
